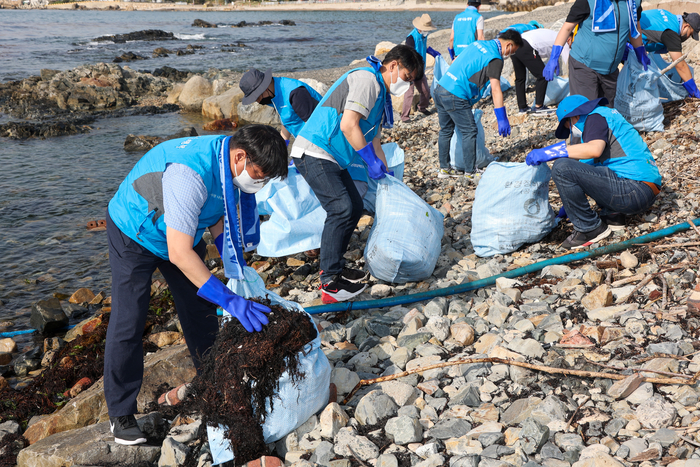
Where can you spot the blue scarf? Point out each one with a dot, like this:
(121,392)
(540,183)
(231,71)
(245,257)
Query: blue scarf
(604,17)
(240,233)
(388,117)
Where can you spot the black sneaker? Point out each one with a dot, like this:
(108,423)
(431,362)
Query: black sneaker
(583,239)
(542,111)
(426,112)
(525,110)
(126,430)
(354,275)
(340,289)
(616,220)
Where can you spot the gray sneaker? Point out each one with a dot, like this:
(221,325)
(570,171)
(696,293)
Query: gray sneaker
(449,173)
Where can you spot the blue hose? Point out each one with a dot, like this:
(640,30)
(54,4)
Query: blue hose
(489,281)
(27,331)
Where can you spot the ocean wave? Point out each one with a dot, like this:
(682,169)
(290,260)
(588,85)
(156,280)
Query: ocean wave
(99,43)
(189,37)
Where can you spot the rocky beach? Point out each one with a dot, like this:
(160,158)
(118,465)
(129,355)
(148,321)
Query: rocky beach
(594,363)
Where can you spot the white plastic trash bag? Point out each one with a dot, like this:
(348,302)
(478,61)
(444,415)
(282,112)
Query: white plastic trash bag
(557,91)
(439,70)
(395,158)
(483,156)
(404,244)
(296,402)
(637,96)
(511,208)
(670,84)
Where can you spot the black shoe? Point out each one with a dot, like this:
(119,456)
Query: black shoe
(525,110)
(616,220)
(126,430)
(583,239)
(543,111)
(354,275)
(426,112)
(339,290)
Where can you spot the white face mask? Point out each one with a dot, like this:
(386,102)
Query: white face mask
(400,87)
(245,182)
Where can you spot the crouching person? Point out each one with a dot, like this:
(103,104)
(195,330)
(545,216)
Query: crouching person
(607,160)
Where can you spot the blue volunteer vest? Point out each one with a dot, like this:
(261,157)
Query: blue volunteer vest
(475,59)
(283,88)
(657,20)
(137,207)
(323,127)
(421,44)
(602,51)
(464,27)
(521,27)
(629,156)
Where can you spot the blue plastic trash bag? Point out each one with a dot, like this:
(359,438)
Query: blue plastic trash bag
(637,96)
(404,243)
(395,158)
(439,70)
(557,90)
(511,208)
(483,156)
(670,84)
(505,85)
(296,402)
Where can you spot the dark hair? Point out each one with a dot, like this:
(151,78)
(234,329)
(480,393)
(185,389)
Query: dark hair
(408,58)
(474,2)
(513,36)
(264,147)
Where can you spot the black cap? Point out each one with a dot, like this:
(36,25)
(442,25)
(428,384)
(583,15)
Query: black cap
(474,2)
(253,83)
(693,19)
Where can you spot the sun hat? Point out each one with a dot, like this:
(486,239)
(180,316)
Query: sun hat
(574,106)
(253,83)
(424,23)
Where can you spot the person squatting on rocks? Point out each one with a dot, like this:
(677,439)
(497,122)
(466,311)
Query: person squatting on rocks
(536,49)
(156,220)
(604,27)
(418,40)
(664,32)
(460,88)
(607,160)
(467,27)
(343,128)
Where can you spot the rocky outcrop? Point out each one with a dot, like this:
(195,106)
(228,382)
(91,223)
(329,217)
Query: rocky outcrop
(256,113)
(128,57)
(144,143)
(193,94)
(200,23)
(146,35)
(224,105)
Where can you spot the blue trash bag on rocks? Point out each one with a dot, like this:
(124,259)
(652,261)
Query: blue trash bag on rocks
(395,158)
(670,84)
(295,402)
(439,70)
(483,156)
(637,96)
(505,85)
(511,208)
(557,91)
(404,243)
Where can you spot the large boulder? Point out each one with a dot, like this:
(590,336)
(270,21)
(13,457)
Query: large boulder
(48,316)
(224,105)
(193,94)
(383,48)
(256,113)
(317,86)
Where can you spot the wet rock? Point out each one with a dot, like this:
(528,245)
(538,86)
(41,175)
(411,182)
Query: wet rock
(48,316)
(128,57)
(141,143)
(170,73)
(146,35)
(200,23)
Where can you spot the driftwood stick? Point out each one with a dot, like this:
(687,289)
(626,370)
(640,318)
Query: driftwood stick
(689,441)
(568,424)
(664,294)
(672,65)
(695,227)
(658,372)
(628,280)
(675,245)
(644,282)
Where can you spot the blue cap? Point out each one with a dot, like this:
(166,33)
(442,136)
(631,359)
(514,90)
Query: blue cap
(574,106)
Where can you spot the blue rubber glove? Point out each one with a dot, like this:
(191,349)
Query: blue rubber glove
(432,52)
(551,69)
(250,314)
(642,56)
(562,213)
(692,88)
(286,142)
(452,53)
(375,167)
(219,242)
(626,53)
(549,153)
(503,123)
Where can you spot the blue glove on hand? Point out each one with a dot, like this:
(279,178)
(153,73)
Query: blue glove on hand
(562,213)
(375,167)
(250,314)
(219,242)
(432,52)
(452,53)
(692,88)
(626,53)
(552,67)
(549,153)
(642,56)
(503,123)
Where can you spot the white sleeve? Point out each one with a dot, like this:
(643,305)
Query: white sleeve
(480,23)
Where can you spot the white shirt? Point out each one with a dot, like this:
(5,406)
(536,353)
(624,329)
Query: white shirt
(542,41)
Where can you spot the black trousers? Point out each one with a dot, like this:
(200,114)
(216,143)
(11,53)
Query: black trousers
(524,59)
(132,267)
(591,84)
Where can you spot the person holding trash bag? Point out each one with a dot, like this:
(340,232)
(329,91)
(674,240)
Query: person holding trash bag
(293,100)
(664,32)
(467,27)
(156,220)
(461,87)
(605,26)
(418,40)
(344,129)
(612,164)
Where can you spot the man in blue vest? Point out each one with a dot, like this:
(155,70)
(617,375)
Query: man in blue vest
(612,165)
(418,40)
(664,32)
(345,129)
(156,220)
(293,100)
(467,27)
(604,27)
(462,86)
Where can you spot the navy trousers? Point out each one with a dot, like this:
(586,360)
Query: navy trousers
(132,267)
